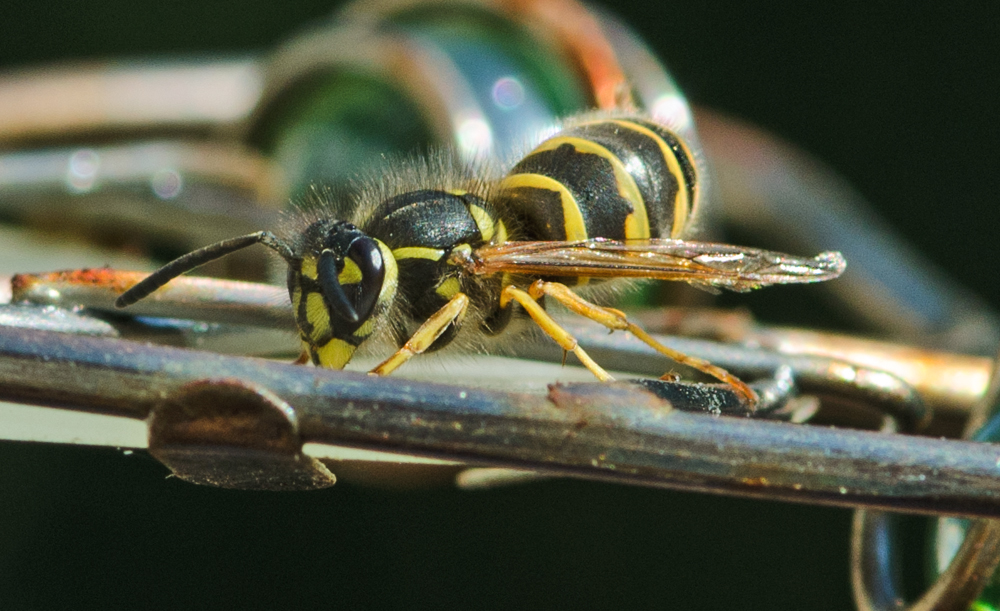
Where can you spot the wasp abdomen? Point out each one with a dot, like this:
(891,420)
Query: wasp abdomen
(612,178)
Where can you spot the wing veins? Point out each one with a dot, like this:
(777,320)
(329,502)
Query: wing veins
(700,263)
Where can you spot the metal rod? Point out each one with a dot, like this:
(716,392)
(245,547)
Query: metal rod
(598,431)
(192,298)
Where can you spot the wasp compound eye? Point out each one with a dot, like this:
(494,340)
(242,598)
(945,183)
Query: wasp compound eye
(337,302)
(351,284)
(365,253)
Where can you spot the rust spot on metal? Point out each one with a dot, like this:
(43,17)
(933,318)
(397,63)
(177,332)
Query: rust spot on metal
(22,282)
(100,276)
(104,277)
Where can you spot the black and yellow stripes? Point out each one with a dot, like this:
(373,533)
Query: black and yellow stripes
(413,258)
(670,174)
(612,178)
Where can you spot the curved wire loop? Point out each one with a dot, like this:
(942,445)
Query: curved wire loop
(875,563)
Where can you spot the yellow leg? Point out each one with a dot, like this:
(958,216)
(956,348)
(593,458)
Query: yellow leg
(552,328)
(616,320)
(451,313)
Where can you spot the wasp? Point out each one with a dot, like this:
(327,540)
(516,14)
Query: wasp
(444,247)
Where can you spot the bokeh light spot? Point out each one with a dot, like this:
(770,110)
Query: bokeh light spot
(508,93)
(81,171)
(167,183)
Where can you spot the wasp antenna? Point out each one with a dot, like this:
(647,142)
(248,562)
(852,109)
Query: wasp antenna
(200,257)
(274,243)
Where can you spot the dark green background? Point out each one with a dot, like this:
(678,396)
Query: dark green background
(902,98)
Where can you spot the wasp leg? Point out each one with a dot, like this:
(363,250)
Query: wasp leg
(616,320)
(422,339)
(552,328)
(303,358)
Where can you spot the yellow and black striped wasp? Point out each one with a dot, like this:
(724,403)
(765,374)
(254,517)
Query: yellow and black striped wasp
(441,249)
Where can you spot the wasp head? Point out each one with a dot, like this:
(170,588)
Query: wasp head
(335,288)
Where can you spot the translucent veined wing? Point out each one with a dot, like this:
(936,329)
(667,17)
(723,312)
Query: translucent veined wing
(702,264)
